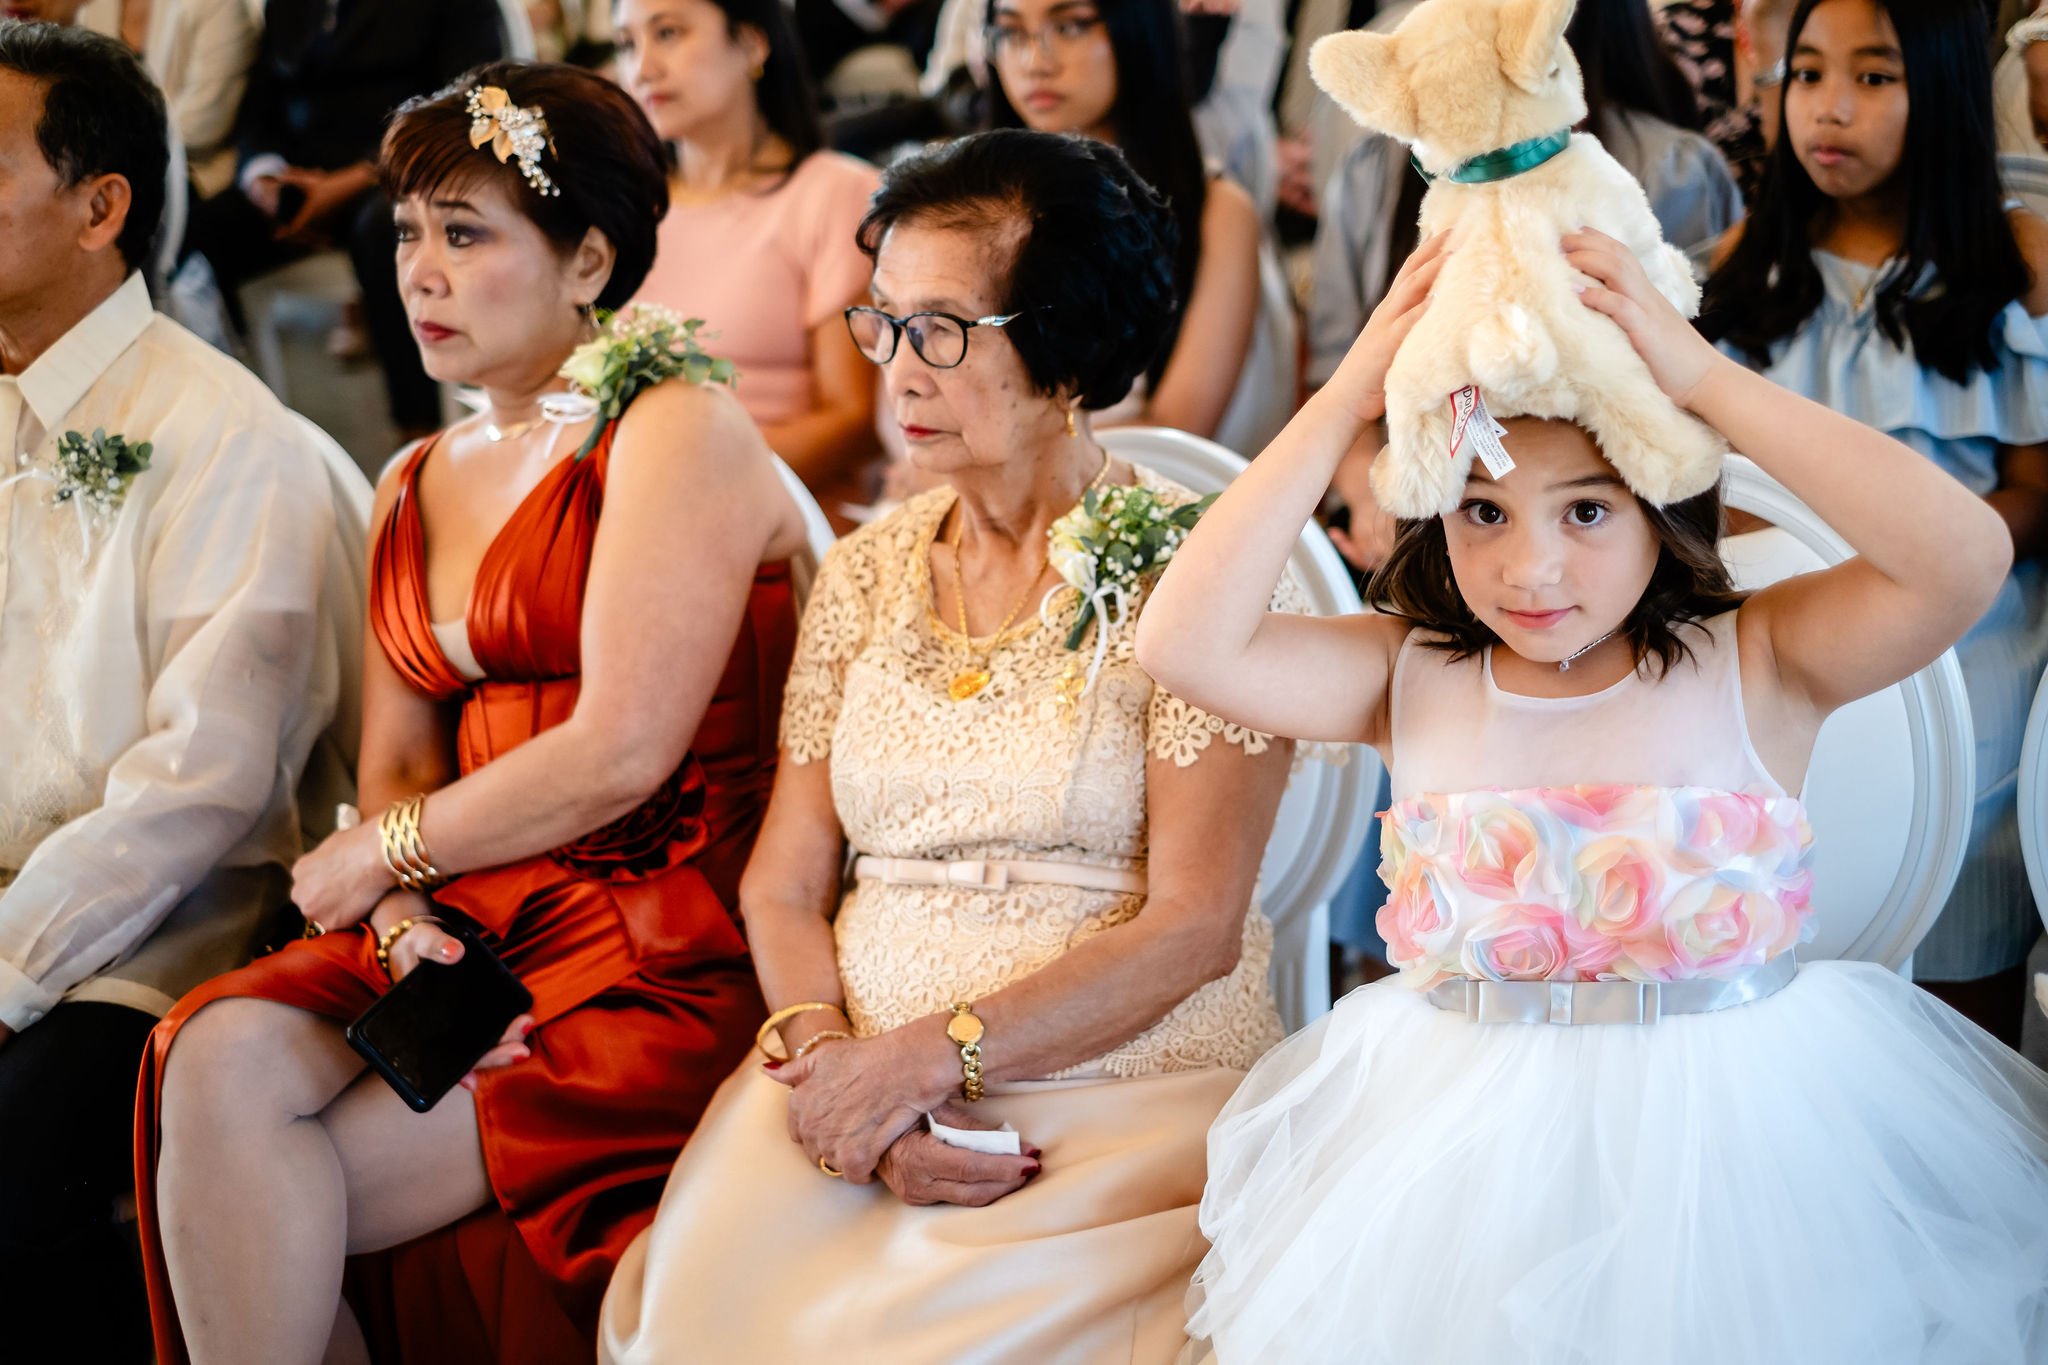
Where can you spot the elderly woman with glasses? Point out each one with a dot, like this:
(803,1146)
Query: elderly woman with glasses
(1002,904)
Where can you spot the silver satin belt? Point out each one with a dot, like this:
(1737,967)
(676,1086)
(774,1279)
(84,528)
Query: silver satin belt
(1607,1002)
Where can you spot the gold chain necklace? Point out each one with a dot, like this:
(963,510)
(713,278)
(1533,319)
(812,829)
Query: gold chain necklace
(974,674)
(495,433)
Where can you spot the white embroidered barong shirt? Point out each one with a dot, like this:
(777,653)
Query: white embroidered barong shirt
(166,667)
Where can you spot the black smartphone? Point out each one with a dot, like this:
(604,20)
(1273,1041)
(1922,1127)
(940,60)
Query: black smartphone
(427,1031)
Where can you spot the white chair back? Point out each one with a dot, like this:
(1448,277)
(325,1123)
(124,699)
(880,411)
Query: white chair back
(1889,788)
(2033,783)
(803,568)
(1326,815)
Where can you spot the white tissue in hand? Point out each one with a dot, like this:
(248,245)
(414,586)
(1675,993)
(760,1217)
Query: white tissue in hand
(1002,1141)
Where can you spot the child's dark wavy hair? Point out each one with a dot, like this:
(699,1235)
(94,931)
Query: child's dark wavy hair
(1689,584)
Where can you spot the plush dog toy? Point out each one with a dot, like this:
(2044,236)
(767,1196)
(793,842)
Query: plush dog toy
(1485,93)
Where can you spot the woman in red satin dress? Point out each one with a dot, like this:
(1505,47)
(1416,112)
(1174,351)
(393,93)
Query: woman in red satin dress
(579,658)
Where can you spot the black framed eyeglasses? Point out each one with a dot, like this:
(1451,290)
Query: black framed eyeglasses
(940,339)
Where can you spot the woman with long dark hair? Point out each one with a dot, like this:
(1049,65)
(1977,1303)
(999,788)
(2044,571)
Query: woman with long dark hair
(759,236)
(1116,71)
(1884,275)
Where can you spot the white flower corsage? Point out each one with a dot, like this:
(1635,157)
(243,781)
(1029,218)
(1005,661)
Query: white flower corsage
(1104,548)
(636,348)
(92,474)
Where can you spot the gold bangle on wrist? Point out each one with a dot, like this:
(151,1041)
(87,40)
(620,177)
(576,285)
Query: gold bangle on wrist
(965,1028)
(823,1035)
(389,938)
(781,1016)
(405,848)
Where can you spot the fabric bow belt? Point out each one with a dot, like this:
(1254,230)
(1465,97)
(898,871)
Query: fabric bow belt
(1607,1002)
(994,874)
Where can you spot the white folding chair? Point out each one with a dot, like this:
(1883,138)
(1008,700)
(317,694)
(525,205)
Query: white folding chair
(1891,784)
(1326,815)
(803,568)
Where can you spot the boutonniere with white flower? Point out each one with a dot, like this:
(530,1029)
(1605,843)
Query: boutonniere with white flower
(1103,549)
(92,475)
(636,348)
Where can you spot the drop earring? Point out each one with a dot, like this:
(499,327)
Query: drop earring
(1071,433)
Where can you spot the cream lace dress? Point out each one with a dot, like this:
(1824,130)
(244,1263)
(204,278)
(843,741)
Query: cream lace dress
(756,1256)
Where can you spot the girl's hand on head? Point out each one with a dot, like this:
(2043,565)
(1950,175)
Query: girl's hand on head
(1678,356)
(1360,382)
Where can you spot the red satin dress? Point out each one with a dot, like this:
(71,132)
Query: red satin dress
(644,996)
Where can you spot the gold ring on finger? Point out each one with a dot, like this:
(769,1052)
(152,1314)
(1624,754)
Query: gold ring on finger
(836,1175)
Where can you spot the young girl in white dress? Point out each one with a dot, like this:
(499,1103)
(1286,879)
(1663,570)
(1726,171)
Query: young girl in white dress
(1601,1115)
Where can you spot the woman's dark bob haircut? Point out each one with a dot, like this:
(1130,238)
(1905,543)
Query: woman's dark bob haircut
(1688,585)
(603,156)
(1092,269)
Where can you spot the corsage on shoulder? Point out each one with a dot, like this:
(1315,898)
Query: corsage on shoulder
(1114,539)
(636,348)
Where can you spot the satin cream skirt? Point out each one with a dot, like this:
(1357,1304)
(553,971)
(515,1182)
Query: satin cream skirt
(757,1256)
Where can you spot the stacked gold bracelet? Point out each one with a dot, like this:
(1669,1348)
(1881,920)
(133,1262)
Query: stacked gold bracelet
(786,1013)
(405,849)
(823,1035)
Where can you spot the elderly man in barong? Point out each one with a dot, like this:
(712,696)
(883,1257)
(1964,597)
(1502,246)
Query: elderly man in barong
(181,617)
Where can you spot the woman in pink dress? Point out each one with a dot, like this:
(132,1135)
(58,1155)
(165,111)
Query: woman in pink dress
(758,240)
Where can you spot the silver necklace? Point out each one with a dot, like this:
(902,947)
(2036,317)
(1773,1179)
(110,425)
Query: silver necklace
(1564,665)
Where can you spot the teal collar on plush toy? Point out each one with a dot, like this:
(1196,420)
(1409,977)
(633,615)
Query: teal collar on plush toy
(1504,163)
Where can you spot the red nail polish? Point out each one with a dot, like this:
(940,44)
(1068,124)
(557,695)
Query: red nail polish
(1032,1170)
(773,1066)
(1033,1153)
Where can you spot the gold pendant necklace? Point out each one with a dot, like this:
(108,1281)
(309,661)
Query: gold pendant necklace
(975,675)
(971,679)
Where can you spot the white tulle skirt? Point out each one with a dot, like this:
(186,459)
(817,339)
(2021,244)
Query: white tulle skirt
(1847,1171)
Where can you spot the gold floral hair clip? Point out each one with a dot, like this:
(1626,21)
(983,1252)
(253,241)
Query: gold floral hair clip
(512,131)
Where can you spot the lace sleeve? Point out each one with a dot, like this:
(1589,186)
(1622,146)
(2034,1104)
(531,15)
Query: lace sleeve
(1179,730)
(833,633)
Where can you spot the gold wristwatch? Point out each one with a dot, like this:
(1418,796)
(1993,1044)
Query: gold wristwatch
(965,1028)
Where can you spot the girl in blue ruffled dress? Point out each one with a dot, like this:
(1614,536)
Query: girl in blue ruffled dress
(1604,1114)
(1885,275)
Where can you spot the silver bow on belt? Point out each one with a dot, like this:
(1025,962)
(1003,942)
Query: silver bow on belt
(1607,1002)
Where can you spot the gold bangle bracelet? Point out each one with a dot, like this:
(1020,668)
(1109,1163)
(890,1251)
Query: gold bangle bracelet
(823,1035)
(788,1012)
(405,847)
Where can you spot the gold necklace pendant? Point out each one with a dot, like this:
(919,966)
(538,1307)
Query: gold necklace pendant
(968,684)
